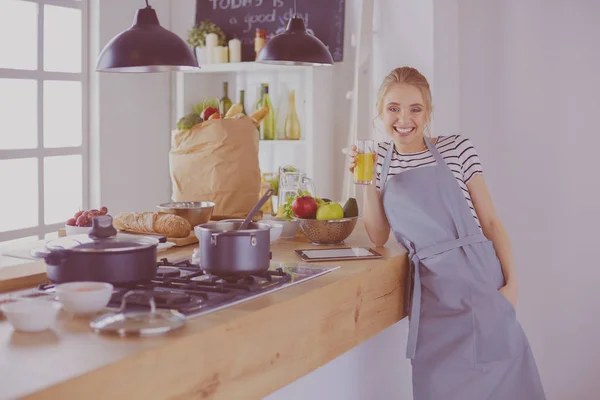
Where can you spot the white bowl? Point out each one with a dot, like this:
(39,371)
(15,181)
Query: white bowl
(31,315)
(290,228)
(77,230)
(84,297)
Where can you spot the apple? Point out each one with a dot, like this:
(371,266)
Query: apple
(330,211)
(304,207)
(208,111)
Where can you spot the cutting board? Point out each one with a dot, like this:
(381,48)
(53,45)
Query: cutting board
(179,242)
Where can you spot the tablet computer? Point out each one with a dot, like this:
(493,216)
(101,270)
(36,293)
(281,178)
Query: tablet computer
(338,254)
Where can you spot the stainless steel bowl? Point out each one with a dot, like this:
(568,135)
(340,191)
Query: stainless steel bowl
(333,231)
(196,212)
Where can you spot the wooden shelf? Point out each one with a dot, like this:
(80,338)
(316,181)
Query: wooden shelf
(247,66)
(282,142)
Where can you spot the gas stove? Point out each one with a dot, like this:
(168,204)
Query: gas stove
(183,286)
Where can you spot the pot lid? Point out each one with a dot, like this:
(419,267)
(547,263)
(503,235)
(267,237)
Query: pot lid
(102,237)
(138,323)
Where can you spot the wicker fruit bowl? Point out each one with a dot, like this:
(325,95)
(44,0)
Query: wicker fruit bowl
(332,231)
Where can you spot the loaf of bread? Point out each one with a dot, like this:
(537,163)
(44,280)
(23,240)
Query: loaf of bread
(150,222)
(258,115)
(235,109)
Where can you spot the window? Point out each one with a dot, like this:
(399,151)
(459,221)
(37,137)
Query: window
(43,116)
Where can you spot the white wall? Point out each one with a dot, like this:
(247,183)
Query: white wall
(130,127)
(528,86)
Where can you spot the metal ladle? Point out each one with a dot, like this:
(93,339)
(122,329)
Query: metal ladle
(257,207)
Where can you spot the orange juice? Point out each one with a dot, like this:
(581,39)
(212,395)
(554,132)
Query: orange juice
(363,171)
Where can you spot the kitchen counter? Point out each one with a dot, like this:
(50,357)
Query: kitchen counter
(245,351)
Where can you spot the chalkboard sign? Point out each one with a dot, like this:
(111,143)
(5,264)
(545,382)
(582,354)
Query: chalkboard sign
(240,19)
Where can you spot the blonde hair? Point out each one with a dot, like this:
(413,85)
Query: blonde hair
(409,76)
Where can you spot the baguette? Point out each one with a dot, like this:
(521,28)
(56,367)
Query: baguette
(260,114)
(234,110)
(169,225)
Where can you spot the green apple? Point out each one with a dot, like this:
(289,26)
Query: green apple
(330,211)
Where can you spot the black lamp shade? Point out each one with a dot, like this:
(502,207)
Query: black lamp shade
(295,46)
(146,47)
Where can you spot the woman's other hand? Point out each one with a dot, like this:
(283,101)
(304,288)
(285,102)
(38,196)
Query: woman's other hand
(510,292)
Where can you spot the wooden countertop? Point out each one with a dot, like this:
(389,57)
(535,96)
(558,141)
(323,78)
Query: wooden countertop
(242,352)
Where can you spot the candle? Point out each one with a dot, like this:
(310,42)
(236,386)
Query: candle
(220,54)
(235,50)
(211,43)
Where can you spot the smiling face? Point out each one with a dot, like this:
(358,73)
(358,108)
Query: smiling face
(405,116)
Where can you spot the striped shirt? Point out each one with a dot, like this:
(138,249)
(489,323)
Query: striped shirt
(457,151)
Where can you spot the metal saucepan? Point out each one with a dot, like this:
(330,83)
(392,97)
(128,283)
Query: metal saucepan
(102,255)
(228,252)
(235,249)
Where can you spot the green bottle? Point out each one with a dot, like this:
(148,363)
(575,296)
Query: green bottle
(260,96)
(225,102)
(267,126)
(242,101)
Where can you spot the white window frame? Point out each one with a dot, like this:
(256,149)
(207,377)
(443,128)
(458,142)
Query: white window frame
(40,152)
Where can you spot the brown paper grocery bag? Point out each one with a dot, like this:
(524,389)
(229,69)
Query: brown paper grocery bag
(217,161)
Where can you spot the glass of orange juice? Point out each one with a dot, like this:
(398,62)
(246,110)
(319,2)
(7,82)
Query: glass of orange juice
(365,159)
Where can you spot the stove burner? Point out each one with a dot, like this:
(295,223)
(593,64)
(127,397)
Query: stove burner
(163,299)
(167,272)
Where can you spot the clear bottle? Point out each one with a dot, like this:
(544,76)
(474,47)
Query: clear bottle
(225,102)
(292,122)
(243,101)
(281,113)
(260,40)
(267,126)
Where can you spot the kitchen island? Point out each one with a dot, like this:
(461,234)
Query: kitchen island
(245,351)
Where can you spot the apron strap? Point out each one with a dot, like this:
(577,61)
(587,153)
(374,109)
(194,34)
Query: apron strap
(442,247)
(434,151)
(386,166)
(416,258)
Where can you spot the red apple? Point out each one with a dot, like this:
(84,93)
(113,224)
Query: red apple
(304,207)
(208,111)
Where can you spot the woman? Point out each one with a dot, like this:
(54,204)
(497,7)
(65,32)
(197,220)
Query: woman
(464,340)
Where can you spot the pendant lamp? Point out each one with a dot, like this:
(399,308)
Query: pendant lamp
(295,46)
(146,47)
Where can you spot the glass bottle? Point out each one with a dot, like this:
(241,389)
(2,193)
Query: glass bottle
(225,102)
(243,101)
(259,98)
(260,39)
(292,122)
(281,113)
(267,126)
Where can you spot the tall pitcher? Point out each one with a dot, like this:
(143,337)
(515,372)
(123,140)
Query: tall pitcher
(291,184)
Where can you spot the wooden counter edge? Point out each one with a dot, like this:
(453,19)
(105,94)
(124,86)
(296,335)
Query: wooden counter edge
(260,351)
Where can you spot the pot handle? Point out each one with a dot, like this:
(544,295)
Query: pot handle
(54,257)
(39,252)
(132,292)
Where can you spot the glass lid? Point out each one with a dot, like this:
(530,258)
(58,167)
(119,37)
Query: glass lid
(138,323)
(102,237)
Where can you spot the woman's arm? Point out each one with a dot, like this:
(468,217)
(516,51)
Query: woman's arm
(493,229)
(376,223)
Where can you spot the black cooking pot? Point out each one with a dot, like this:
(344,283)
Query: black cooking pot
(102,255)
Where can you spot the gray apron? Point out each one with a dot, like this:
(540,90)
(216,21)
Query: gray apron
(464,340)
